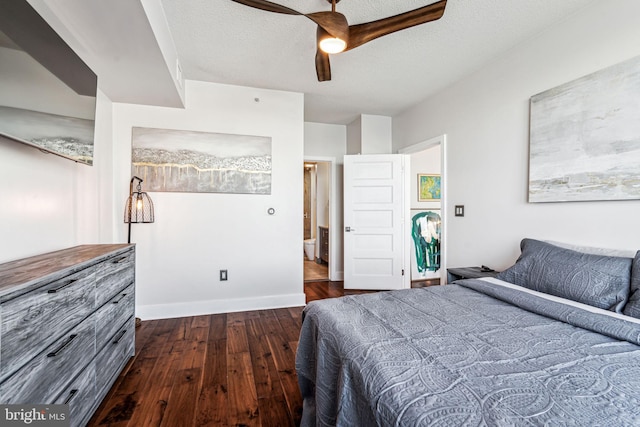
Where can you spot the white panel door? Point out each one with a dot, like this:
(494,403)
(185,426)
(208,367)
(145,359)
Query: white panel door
(375,219)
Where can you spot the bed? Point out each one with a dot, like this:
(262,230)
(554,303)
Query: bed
(554,340)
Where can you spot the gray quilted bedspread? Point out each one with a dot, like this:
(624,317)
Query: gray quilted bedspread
(472,355)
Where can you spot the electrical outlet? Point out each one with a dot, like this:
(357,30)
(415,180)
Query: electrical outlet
(459,210)
(223,275)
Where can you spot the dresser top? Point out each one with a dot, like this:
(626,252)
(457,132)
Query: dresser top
(42,269)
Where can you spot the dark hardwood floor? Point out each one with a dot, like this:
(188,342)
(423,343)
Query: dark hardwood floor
(233,369)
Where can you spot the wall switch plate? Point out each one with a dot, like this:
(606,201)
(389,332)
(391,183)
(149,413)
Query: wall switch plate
(223,275)
(459,210)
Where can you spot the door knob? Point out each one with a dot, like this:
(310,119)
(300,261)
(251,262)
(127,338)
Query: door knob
(348,229)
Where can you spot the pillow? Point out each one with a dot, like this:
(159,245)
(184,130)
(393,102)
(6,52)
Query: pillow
(597,280)
(595,251)
(633,306)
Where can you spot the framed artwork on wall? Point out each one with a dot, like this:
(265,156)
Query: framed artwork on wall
(171,160)
(428,187)
(585,138)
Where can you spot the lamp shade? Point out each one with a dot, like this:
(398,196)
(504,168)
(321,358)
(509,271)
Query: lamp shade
(139,208)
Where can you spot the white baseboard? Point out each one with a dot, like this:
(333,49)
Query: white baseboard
(198,308)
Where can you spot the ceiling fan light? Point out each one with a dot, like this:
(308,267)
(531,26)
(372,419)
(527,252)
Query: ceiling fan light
(332,45)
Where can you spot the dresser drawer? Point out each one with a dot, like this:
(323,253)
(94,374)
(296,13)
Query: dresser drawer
(114,274)
(45,376)
(112,315)
(31,322)
(115,355)
(80,395)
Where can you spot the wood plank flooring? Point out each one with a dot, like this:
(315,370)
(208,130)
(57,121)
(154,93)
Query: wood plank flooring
(233,369)
(314,272)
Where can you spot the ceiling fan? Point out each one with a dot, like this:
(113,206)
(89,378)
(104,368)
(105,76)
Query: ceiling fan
(335,35)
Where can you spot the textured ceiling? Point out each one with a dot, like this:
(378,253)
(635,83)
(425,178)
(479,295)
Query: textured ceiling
(225,42)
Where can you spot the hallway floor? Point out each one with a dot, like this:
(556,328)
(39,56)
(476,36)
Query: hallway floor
(315,272)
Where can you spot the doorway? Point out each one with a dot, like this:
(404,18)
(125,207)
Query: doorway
(428,212)
(316,220)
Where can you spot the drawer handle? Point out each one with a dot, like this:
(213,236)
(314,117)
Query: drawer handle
(63,346)
(120,335)
(119,260)
(116,301)
(72,394)
(59,288)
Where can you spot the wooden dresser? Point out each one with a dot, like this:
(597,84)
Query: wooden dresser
(67,326)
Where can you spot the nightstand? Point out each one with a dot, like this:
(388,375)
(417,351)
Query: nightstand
(468,273)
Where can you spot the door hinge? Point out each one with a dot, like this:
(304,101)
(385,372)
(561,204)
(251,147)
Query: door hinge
(403,271)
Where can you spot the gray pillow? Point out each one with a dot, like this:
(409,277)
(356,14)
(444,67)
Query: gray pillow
(633,306)
(624,253)
(597,280)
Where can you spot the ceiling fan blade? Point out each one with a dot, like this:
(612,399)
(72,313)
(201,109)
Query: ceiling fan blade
(268,6)
(333,23)
(363,33)
(323,66)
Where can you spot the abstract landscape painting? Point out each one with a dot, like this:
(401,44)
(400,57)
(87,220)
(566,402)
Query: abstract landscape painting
(202,162)
(585,138)
(68,137)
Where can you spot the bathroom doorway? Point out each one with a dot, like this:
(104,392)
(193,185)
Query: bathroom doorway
(317,179)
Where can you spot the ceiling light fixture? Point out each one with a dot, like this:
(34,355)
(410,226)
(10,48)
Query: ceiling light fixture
(332,45)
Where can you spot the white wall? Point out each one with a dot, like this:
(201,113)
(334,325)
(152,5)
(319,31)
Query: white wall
(197,234)
(326,141)
(369,134)
(48,202)
(312,200)
(323,178)
(376,134)
(486,119)
(354,136)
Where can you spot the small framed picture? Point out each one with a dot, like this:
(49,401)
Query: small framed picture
(428,187)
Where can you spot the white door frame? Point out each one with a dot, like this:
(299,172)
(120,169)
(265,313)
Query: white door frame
(333,224)
(421,146)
